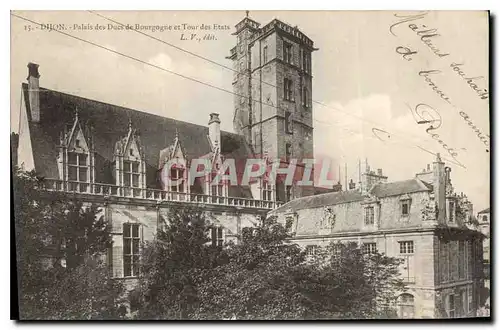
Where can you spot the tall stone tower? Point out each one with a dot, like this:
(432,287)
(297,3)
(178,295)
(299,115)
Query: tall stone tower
(273,87)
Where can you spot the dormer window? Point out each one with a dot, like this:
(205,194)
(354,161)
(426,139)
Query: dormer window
(267,191)
(404,206)
(131,174)
(77,167)
(216,189)
(129,164)
(76,158)
(176,177)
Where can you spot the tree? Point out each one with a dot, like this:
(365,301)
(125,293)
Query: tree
(171,266)
(60,245)
(267,277)
(264,276)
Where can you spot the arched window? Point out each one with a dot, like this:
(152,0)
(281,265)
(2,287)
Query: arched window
(406,306)
(485,218)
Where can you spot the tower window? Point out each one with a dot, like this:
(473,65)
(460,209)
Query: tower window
(288,89)
(305,101)
(301,58)
(264,55)
(288,151)
(288,122)
(306,59)
(287,52)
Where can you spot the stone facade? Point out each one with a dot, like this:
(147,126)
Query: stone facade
(441,256)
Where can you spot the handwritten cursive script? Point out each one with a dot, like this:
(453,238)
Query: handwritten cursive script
(426,115)
(472,82)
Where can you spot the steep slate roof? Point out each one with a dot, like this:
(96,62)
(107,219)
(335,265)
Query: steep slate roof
(321,200)
(485,211)
(399,188)
(379,190)
(110,124)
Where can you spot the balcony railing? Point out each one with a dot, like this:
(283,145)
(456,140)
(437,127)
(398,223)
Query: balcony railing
(102,189)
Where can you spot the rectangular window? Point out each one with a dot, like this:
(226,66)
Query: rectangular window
(311,250)
(217,236)
(469,299)
(267,191)
(301,58)
(77,167)
(287,52)
(130,173)
(405,208)
(131,243)
(288,89)
(369,215)
(369,248)
(450,307)
(264,55)
(177,176)
(406,247)
(216,189)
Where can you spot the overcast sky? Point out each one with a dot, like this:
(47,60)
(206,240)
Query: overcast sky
(358,75)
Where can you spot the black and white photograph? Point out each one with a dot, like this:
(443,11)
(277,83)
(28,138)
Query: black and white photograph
(250,165)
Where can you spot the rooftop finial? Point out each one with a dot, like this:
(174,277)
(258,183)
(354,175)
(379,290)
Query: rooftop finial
(176,133)
(76,113)
(129,123)
(247,12)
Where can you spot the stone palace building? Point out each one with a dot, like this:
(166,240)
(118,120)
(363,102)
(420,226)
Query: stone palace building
(115,156)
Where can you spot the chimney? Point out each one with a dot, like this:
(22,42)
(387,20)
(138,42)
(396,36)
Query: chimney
(352,185)
(34,91)
(214,130)
(439,184)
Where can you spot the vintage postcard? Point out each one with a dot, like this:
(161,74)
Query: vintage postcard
(251,165)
